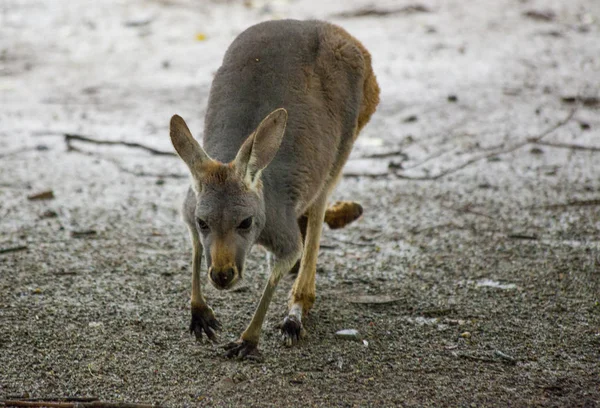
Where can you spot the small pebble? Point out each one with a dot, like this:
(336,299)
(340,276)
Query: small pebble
(49,214)
(348,334)
(298,378)
(536,150)
(465,335)
(138,22)
(44,195)
(541,15)
(504,356)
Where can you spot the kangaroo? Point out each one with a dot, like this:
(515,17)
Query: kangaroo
(284,110)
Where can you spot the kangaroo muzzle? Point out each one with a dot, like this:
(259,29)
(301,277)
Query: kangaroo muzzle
(223,278)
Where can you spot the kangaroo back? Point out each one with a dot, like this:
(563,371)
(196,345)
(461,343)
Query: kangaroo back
(315,70)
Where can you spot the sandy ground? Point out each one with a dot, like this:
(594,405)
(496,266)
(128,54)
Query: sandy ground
(484,245)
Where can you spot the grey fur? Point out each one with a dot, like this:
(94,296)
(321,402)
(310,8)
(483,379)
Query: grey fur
(322,77)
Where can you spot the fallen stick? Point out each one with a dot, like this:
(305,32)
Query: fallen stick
(505,357)
(13,249)
(510,149)
(385,155)
(574,203)
(53,398)
(443,173)
(44,195)
(126,170)
(69,137)
(523,236)
(429,158)
(351,242)
(569,146)
(73,404)
(373,11)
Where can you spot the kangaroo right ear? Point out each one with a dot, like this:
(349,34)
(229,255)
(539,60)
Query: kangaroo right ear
(261,146)
(186,146)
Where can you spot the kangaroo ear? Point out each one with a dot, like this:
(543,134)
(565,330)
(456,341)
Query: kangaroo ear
(261,146)
(186,146)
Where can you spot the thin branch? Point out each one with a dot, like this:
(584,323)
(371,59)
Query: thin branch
(351,242)
(73,404)
(373,11)
(429,158)
(71,136)
(13,249)
(385,155)
(467,209)
(126,170)
(523,236)
(569,146)
(367,175)
(573,203)
(510,149)
(56,399)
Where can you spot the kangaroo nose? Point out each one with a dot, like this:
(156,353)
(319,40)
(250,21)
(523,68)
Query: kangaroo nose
(222,278)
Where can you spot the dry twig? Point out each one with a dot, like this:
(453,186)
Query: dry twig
(478,158)
(385,155)
(569,146)
(13,249)
(574,203)
(373,11)
(72,404)
(117,164)
(69,137)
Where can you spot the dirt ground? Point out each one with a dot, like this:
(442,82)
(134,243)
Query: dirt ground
(473,276)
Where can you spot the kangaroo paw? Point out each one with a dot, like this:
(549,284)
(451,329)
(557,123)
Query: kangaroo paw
(203,320)
(243,349)
(292,330)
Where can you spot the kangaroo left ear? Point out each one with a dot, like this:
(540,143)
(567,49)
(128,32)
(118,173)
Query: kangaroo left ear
(186,146)
(261,146)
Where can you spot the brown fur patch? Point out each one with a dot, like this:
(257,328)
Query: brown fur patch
(370,92)
(214,172)
(342,213)
(221,254)
(370,87)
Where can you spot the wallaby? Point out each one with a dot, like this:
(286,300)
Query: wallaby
(284,110)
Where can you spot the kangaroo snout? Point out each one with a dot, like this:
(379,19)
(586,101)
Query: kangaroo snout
(223,278)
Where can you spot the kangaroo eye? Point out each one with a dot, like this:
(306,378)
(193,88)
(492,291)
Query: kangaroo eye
(202,225)
(247,223)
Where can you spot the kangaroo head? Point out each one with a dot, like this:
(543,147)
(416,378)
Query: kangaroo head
(230,209)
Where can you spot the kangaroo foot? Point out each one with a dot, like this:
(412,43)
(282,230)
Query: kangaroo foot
(292,330)
(243,349)
(203,320)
